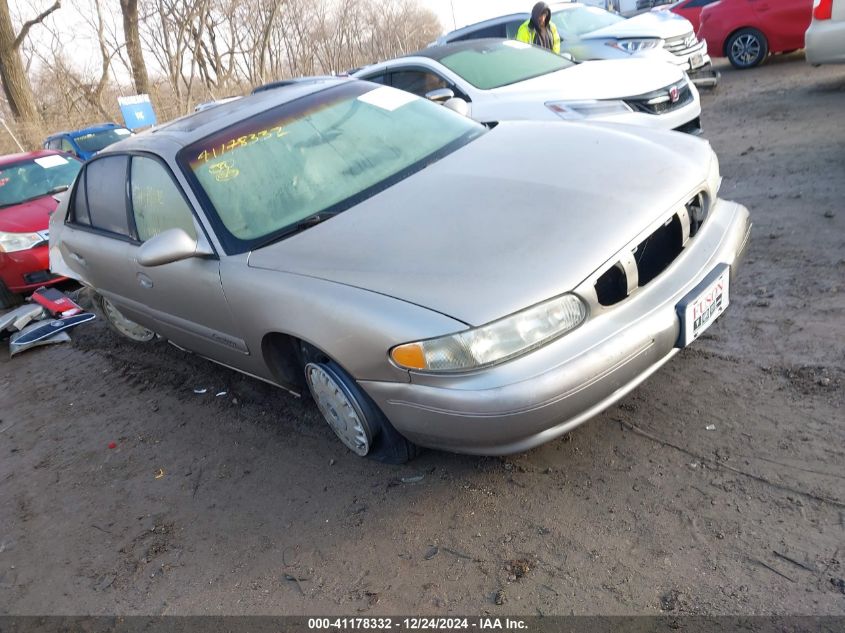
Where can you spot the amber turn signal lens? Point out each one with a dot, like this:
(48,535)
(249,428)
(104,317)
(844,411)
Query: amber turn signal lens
(410,356)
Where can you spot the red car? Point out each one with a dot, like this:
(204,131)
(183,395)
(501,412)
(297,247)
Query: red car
(691,10)
(747,31)
(28,183)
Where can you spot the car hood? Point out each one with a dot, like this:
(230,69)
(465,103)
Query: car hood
(607,79)
(662,24)
(31,216)
(522,214)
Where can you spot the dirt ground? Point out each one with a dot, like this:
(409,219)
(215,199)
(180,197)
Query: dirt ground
(715,488)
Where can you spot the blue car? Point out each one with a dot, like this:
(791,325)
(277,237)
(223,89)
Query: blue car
(88,141)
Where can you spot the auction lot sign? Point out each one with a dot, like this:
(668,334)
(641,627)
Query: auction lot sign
(532,624)
(137,111)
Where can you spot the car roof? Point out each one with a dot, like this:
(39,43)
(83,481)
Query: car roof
(554,6)
(10,159)
(193,127)
(281,83)
(91,129)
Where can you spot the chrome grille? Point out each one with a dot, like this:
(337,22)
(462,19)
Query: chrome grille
(664,100)
(683,45)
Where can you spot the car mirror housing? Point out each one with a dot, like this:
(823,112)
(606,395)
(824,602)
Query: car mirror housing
(456,104)
(441,95)
(170,246)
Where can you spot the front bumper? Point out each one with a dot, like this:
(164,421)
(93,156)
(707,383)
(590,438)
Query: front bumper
(533,399)
(23,271)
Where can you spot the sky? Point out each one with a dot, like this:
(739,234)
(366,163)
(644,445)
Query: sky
(471,11)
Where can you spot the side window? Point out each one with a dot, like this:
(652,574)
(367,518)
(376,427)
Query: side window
(512,28)
(105,181)
(699,3)
(157,202)
(497,30)
(381,78)
(80,202)
(417,81)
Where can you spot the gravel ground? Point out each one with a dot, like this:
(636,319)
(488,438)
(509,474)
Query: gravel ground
(715,488)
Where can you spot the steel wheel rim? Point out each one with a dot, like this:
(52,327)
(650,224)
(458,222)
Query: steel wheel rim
(339,408)
(128,328)
(746,49)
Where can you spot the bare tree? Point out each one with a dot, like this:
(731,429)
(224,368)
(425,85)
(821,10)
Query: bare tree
(16,84)
(129,9)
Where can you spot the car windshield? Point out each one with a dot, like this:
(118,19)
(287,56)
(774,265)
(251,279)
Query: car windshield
(95,141)
(501,63)
(580,20)
(319,154)
(36,177)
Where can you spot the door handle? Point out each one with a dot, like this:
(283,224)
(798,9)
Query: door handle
(79,258)
(144,281)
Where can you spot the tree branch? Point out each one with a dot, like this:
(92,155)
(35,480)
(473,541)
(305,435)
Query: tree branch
(36,20)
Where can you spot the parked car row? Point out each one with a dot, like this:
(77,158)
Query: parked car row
(481,277)
(590,33)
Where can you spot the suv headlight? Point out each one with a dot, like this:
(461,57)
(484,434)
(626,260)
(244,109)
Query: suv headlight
(586,109)
(634,46)
(11,242)
(495,342)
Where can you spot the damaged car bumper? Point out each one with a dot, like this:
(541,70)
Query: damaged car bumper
(543,395)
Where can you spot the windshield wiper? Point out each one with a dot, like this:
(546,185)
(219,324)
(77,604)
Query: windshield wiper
(54,190)
(296,227)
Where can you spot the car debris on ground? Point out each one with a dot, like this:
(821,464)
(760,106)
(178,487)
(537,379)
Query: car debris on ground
(43,322)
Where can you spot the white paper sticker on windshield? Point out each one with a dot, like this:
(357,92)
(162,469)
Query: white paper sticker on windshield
(51,161)
(516,44)
(122,131)
(387,98)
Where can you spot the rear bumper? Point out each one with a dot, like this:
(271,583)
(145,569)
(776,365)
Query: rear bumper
(23,271)
(542,395)
(825,42)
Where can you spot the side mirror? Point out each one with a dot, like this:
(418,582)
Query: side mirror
(456,104)
(441,95)
(170,246)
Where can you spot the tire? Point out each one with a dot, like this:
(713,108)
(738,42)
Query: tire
(746,48)
(119,323)
(8,299)
(356,420)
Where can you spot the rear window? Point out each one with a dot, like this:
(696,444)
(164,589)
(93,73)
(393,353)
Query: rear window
(498,64)
(318,154)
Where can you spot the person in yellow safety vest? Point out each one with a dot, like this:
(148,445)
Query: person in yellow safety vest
(540,30)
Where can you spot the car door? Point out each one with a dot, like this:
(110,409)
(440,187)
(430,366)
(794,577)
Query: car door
(182,300)
(95,241)
(784,22)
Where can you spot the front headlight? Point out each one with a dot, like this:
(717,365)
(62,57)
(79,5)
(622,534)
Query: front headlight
(634,46)
(11,242)
(714,177)
(495,342)
(587,109)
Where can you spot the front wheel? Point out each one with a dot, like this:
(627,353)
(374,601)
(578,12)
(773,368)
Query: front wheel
(747,48)
(354,417)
